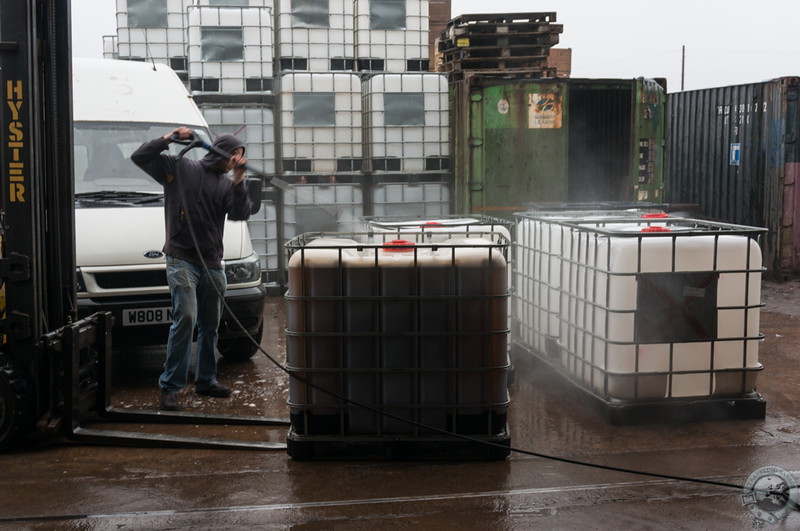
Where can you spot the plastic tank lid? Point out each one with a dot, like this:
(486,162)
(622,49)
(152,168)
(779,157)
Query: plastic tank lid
(655,229)
(398,246)
(655,215)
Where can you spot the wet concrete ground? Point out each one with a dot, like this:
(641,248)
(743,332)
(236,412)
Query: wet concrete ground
(58,484)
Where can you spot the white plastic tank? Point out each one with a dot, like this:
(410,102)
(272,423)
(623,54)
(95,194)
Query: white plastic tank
(406,122)
(428,200)
(677,304)
(230,49)
(540,244)
(391,36)
(320,123)
(315,37)
(263,227)
(148,34)
(322,208)
(439,229)
(110,47)
(254,124)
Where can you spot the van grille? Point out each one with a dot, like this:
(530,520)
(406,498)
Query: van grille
(131,279)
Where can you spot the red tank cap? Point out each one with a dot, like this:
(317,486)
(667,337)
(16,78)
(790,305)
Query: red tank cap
(655,215)
(655,229)
(398,246)
(431,224)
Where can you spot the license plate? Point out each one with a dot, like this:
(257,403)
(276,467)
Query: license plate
(146,316)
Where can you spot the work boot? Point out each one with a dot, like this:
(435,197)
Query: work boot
(169,401)
(217,391)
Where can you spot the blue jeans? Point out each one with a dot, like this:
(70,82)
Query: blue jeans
(194,302)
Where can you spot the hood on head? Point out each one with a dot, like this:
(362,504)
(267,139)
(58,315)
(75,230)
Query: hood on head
(227,143)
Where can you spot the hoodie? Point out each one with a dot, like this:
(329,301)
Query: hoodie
(196,192)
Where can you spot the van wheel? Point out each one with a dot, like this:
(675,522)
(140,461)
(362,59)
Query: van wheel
(16,402)
(241,348)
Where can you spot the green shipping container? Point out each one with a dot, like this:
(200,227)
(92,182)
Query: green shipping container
(518,141)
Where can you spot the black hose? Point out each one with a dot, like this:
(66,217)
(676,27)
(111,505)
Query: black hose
(378,411)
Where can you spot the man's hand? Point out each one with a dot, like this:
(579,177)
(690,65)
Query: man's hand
(237,164)
(181,132)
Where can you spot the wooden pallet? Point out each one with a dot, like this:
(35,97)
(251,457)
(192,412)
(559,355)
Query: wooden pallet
(525,63)
(496,52)
(478,19)
(522,73)
(461,75)
(544,42)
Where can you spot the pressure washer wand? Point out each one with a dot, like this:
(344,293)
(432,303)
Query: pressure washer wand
(303,195)
(196,142)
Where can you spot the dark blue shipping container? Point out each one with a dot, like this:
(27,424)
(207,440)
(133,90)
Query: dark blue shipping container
(734,152)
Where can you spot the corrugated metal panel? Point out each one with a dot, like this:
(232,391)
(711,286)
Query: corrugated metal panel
(734,151)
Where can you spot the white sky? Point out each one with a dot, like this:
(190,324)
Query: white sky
(727,42)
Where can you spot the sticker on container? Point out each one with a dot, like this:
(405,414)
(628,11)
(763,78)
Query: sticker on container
(503,106)
(544,111)
(735,158)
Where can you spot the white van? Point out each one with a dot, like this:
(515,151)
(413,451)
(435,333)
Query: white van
(119,214)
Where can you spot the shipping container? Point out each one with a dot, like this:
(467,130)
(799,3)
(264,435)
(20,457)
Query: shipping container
(734,152)
(535,140)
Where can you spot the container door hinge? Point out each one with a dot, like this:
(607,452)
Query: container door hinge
(475,142)
(789,139)
(15,268)
(8,46)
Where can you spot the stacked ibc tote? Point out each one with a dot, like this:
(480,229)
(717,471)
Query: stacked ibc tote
(650,317)
(332,97)
(352,79)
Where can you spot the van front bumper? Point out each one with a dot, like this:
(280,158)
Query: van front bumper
(245,305)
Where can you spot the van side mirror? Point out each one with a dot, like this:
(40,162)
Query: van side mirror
(254,187)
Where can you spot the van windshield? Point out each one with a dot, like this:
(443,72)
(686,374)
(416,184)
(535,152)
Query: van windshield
(102,155)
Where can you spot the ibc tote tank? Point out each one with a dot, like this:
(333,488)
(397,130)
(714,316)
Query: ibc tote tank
(413,330)
(538,251)
(661,309)
(658,317)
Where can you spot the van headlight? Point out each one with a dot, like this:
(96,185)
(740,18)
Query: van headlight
(243,271)
(80,284)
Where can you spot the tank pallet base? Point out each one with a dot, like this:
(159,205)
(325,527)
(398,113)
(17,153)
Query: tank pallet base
(398,447)
(627,413)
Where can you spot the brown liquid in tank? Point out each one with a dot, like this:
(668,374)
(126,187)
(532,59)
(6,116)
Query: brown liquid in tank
(419,341)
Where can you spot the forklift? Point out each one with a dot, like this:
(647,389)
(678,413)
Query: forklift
(55,369)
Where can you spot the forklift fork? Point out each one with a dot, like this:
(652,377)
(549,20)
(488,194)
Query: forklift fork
(85,348)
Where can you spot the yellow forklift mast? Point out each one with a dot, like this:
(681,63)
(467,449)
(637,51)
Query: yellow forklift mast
(55,370)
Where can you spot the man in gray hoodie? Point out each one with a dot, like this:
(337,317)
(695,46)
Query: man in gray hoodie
(198,195)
